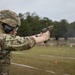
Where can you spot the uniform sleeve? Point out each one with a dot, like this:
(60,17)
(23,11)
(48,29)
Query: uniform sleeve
(19,43)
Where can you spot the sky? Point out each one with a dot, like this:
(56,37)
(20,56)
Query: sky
(55,10)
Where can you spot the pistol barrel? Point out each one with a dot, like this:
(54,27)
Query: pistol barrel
(47,29)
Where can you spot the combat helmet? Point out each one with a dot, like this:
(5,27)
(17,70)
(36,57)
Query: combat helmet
(9,17)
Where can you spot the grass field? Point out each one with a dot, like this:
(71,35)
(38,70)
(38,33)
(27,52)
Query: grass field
(43,60)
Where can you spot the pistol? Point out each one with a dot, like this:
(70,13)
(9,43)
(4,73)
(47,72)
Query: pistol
(47,29)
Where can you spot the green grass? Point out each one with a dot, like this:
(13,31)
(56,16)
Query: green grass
(44,58)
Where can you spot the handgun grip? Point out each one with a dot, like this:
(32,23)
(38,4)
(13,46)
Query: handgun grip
(47,29)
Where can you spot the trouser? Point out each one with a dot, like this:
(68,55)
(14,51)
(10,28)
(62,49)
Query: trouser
(4,66)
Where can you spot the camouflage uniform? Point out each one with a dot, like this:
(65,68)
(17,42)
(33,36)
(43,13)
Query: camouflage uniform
(11,42)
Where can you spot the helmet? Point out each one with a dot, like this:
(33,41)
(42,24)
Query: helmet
(10,18)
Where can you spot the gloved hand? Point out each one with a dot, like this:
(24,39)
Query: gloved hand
(45,35)
(42,37)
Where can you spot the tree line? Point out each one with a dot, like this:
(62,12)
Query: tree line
(32,24)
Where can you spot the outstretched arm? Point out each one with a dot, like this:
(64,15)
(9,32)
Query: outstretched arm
(24,43)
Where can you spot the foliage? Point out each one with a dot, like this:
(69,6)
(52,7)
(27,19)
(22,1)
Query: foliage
(32,24)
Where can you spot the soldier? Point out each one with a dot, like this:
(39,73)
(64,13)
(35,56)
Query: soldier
(9,23)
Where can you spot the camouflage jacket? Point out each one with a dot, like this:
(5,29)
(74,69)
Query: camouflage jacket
(9,43)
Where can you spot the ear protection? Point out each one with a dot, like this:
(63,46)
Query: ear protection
(7,29)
